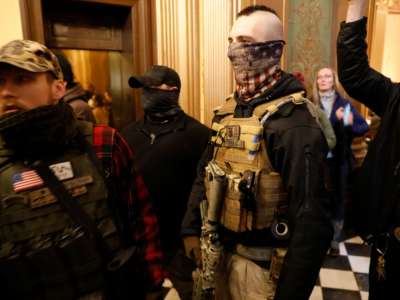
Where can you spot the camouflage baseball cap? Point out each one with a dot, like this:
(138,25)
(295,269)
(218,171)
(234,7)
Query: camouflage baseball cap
(31,56)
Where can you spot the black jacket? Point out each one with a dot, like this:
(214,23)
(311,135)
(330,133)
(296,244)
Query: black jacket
(168,166)
(377,188)
(294,141)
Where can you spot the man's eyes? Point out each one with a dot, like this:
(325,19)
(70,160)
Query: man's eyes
(23,78)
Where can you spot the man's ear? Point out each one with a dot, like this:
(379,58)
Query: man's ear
(58,89)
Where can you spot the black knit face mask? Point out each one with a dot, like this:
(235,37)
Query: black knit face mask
(158,102)
(40,131)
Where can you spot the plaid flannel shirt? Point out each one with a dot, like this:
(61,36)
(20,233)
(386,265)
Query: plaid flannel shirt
(112,149)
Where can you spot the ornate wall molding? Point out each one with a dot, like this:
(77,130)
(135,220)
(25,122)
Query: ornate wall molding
(393,6)
(309,37)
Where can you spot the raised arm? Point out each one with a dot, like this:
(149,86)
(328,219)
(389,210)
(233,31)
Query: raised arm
(355,10)
(357,77)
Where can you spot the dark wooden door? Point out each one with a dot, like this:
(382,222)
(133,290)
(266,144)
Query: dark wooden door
(121,28)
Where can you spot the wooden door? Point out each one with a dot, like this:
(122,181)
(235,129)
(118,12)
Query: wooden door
(122,28)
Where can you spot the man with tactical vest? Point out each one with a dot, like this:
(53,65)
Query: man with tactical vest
(259,197)
(75,218)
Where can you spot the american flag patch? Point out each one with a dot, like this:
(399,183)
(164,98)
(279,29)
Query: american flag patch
(26,180)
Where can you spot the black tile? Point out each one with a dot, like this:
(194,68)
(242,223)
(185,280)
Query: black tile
(357,249)
(340,262)
(336,294)
(362,281)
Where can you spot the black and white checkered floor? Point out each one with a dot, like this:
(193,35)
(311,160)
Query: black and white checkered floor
(344,277)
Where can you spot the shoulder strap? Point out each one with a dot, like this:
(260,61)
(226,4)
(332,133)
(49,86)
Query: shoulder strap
(72,207)
(5,155)
(86,129)
(268,108)
(228,108)
(323,123)
(265,110)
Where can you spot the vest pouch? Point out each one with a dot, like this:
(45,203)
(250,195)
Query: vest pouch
(41,275)
(54,272)
(85,264)
(236,213)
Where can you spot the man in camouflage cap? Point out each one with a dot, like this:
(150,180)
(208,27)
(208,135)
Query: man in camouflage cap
(47,251)
(30,56)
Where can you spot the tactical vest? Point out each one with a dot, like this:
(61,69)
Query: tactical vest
(240,151)
(43,254)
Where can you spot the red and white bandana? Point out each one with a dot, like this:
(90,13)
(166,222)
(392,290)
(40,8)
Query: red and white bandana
(256,67)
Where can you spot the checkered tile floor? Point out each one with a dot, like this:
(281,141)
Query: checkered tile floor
(344,277)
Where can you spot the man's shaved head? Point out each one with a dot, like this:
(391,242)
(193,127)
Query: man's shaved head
(257,24)
(247,11)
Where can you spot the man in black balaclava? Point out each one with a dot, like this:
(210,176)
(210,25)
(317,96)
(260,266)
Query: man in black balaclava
(168,144)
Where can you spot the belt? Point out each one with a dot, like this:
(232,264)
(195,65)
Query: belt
(254,253)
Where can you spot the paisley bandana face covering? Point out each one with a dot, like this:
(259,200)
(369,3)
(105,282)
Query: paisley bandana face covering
(256,66)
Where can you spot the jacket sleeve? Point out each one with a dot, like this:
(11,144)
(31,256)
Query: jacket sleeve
(359,126)
(141,214)
(358,79)
(297,154)
(191,224)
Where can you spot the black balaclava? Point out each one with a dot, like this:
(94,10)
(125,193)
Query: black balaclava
(160,103)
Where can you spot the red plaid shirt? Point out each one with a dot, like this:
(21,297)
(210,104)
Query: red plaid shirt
(113,151)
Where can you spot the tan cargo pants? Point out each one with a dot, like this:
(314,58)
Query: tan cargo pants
(242,279)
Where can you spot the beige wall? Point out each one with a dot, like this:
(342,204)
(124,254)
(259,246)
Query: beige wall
(10,21)
(391,57)
(386,41)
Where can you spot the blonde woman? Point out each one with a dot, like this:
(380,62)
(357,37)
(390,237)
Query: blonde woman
(347,123)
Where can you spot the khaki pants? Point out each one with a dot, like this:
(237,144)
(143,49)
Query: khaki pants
(242,279)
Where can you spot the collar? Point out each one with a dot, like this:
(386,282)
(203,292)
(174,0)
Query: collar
(156,129)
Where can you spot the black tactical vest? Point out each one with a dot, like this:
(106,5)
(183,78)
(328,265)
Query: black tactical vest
(43,253)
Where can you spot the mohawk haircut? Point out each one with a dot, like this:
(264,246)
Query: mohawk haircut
(247,11)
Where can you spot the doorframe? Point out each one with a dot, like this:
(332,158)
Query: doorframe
(138,51)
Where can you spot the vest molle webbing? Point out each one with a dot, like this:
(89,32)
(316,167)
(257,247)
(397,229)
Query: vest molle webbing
(43,254)
(254,196)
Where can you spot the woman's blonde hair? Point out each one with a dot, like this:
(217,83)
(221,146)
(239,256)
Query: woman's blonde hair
(337,87)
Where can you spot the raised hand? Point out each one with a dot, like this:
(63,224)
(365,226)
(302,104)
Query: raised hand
(355,10)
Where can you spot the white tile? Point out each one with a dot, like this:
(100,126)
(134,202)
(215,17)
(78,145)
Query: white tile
(338,279)
(355,240)
(342,249)
(172,295)
(359,264)
(167,283)
(364,295)
(316,294)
